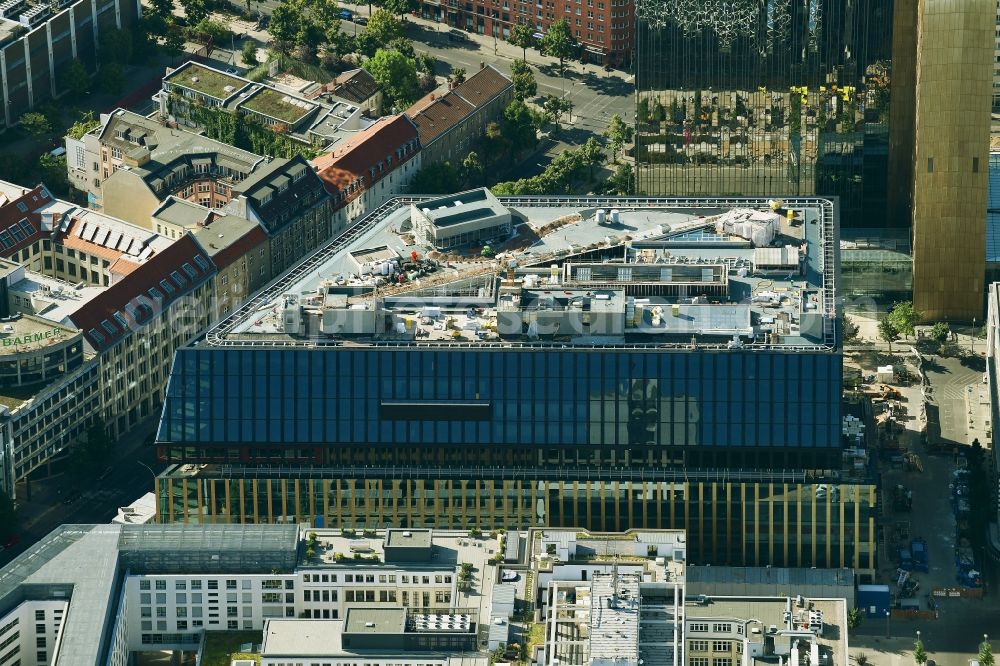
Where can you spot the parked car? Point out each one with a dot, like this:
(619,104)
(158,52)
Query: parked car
(345,14)
(457,36)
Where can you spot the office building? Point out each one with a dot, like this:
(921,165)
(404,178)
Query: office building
(106,592)
(604,29)
(950,158)
(450,123)
(39,41)
(776,100)
(694,371)
(113,593)
(833,98)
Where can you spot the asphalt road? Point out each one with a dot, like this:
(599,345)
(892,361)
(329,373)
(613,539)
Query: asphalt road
(99,500)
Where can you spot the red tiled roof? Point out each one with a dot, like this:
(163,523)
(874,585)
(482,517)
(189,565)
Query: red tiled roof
(441,115)
(11,216)
(483,86)
(130,300)
(356,157)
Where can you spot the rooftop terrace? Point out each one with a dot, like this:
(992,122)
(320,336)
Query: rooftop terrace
(205,80)
(676,273)
(275,105)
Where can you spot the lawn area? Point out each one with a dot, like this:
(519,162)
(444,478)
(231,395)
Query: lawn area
(221,647)
(272,103)
(210,82)
(536,636)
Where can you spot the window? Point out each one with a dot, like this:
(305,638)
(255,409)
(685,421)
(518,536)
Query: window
(235,624)
(698,661)
(213,584)
(975,165)
(930,165)
(40,642)
(722,646)
(724,628)
(161,584)
(699,646)
(195,584)
(724,661)
(698,627)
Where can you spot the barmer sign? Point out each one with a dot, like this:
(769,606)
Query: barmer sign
(30,338)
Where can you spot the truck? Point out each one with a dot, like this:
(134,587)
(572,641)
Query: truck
(918,553)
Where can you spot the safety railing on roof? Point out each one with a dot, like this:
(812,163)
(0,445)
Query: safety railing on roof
(218,336)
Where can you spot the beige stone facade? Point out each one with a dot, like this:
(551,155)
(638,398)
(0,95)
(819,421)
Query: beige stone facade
(955,46)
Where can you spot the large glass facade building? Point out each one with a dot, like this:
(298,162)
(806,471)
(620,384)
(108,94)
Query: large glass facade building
(688,378)
(767,98)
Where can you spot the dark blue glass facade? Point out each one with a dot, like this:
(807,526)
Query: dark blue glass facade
(490,397)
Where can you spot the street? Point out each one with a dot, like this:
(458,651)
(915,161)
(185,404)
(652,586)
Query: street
(99,500)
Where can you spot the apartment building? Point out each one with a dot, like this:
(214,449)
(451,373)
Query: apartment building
(240,251)
(136,324)
(604,28)
(319,122)
(129,164)
(449,124)
(375,166)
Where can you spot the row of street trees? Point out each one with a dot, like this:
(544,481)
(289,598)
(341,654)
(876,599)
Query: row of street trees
(557,42)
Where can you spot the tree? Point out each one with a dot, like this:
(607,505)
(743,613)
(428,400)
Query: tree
(86,123)
(162,8)
(249,53)
(618,134)
(861,659)
(887,331)
(116,46)
(195,10)
(456,77)
(36,124)
(218,32)
(940,332)
(904,317)
(404,46)
(919,653)
(985,653)
(111,78)
(519,126)
(173,43)
(555,106)
(854,619)
(401,7)
(523,77)
(435,178)
(75,78)
(396,75)
(849,329)
(622,182)
(473,167)
(52,172)
(593,155)
(305,23)
(559,42)
(642,110)
(383,27)
(522,35)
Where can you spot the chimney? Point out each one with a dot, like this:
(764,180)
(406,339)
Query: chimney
(482,64)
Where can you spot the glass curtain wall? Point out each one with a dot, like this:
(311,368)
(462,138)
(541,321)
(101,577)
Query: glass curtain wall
(765,97)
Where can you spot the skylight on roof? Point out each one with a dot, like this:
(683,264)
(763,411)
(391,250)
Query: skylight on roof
(155,293)
(108,327)
(200,260)
(167,287)
(187,268)
(94,333)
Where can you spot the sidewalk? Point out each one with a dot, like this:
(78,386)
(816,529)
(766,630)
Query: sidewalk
(503,48)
